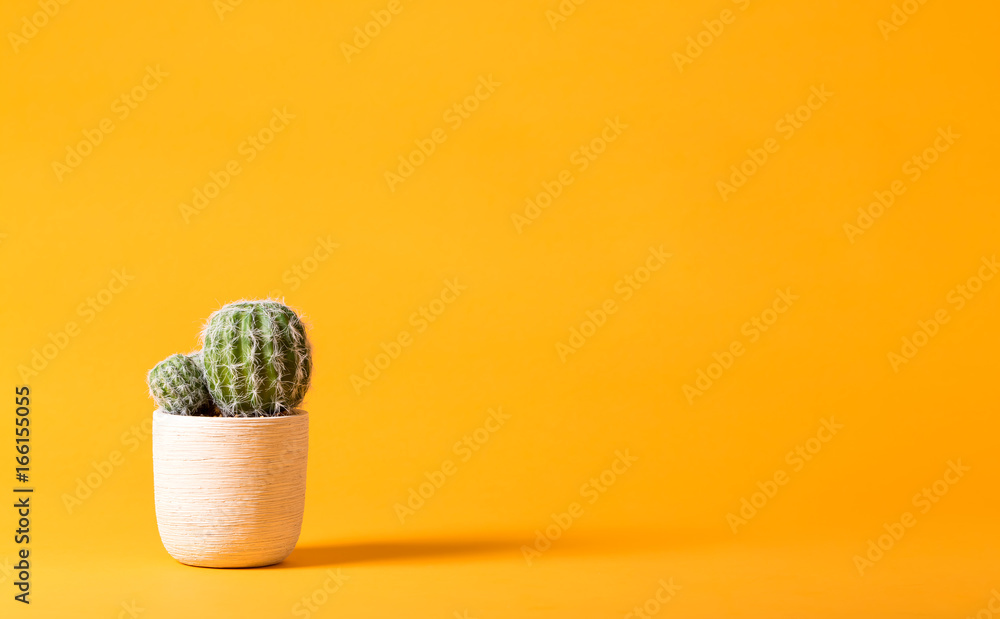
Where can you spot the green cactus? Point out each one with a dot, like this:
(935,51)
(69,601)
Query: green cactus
(257,359)
(178,385)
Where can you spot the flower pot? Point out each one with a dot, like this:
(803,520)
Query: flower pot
(229,491)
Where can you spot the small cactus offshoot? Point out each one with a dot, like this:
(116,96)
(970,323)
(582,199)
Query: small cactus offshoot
(257,359)
(178,386)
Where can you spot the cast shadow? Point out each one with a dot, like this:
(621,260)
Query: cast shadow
(628,541)
(328,555)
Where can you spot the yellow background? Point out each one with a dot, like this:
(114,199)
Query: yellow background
(495,346)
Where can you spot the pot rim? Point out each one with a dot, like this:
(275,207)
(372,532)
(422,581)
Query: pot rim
(297,413)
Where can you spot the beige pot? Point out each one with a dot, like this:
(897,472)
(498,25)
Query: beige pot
(230,492)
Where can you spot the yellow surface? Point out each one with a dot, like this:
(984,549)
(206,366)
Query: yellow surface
(646,241)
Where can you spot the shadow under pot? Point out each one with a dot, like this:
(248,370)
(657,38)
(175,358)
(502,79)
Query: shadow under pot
(230,491)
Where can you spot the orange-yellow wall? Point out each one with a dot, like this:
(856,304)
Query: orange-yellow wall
(541,90)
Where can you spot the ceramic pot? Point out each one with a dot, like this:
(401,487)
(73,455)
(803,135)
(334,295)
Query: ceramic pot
(229,491)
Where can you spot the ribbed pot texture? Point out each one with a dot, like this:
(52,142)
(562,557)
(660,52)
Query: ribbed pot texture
(230,492)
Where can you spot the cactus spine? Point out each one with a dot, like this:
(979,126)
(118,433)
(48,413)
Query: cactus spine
(257,359)
(178,385)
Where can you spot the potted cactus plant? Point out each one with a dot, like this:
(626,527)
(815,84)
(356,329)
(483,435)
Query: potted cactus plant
(230,442)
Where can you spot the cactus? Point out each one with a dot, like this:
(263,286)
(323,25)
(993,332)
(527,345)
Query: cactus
(257,359)
(178,385)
